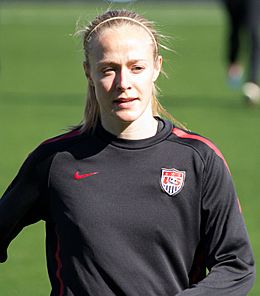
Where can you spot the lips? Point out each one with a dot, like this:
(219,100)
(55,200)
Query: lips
(124,100)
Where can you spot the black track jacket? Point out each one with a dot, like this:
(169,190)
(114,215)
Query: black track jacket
(132,217)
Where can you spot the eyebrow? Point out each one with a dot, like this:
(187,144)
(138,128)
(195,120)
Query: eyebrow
(111,63)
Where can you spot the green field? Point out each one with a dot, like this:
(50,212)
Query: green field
(42,91)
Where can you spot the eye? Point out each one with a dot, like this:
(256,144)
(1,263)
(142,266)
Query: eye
(108,70)
(137,68)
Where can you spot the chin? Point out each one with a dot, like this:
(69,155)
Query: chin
(126,116)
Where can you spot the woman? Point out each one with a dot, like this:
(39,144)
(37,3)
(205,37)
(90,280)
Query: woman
(243,15)
(133,204)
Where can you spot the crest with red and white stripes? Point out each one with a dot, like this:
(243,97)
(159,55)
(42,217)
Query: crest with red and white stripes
(172,181)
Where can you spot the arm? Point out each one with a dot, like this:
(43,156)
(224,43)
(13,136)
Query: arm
(227,252)
(24,201)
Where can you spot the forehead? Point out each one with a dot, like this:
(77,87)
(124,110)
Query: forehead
(124,40)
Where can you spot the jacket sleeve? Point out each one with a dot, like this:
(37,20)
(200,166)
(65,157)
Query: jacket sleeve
(24,202)
(227,252)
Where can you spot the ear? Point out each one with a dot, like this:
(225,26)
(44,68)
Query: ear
(87,72)
(157,67)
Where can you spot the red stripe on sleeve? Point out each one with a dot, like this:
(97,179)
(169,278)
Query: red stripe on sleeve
(59,266)
(182,134)
(62,137)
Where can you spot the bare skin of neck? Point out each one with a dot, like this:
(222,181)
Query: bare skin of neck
(133,130)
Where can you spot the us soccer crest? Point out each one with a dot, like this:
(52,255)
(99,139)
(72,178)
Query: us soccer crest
(172,181)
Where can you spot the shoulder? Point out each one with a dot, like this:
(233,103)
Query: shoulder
(47,149)
(63,138)
(59,142)
(201,145)
(36,166)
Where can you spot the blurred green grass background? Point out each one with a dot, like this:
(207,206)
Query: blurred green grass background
(42,91)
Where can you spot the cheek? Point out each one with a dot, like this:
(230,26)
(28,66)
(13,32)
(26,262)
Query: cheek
(105,84)
(146,83)
(150,75)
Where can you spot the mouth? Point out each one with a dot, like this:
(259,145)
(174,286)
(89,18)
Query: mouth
(124,100)
(125,103)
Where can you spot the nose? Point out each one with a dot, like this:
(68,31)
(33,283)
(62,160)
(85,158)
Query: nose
(123,81)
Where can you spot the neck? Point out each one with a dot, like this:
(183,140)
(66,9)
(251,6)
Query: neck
(133,130)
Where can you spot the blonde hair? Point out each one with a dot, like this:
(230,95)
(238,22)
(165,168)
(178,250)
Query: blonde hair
(114,18)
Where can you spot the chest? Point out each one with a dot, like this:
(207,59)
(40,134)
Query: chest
(130,193)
